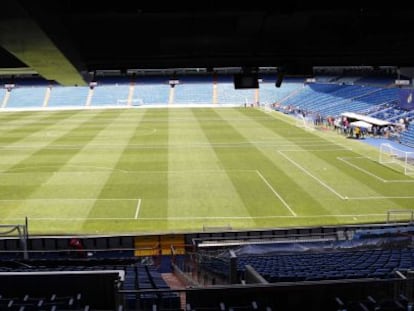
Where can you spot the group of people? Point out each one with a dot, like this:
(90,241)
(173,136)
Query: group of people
(343,126)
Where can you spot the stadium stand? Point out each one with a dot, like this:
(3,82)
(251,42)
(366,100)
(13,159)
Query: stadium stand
(25,97)
(268,94)
(68,96)
(407,137)
(324,267)
(152,90)
(350,267)
(226,94)
(194,91)
(332,99)
(116,94)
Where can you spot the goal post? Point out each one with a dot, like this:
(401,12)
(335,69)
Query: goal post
(266,107)
(396,158)
(387,154)
(305,122)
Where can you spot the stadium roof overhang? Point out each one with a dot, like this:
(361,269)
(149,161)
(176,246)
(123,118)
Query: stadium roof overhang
(67,41)
(22,37)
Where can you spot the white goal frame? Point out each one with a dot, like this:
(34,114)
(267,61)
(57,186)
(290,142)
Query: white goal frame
(266,107)
(392,156)
(305,122)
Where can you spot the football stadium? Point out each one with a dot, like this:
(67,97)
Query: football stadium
(189,174)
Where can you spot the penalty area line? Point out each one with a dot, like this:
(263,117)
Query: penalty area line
(137,209)
(322,183)
(343,159)
(276,193)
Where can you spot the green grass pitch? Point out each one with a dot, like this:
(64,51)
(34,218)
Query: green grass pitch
(174,170)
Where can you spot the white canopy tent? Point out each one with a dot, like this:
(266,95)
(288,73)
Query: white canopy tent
(361,124)
(361,117)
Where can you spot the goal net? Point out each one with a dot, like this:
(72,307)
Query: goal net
(132,102)
(305,122)
(266,107)
(396,158)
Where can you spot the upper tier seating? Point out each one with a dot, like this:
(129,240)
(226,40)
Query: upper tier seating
(68,96)
(22,97)
(110,95)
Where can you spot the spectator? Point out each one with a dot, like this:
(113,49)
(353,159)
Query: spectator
(357,132)
(77,245)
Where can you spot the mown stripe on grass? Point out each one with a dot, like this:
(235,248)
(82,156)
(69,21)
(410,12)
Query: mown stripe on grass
(84,182)
(151,190)
(250,158)
(44,156)
(114,181)
(32,124)
(10,121)
(345,180)
(288,184)
(198,186)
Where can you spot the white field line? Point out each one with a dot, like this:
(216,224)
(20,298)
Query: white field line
(311,175)
(381,197)
(372,174)
(25,169)
(137,209)
(196,218)
(307,150)
(66,199)
(361,169)
(165,146)
(139,204)
(399,181)
(102,168)
(276,193)
(291,138)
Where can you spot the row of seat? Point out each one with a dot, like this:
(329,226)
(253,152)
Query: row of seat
(380,263)
(140,277)
(157,92)
(136,277)
(319,265)
(369,303)
(33,303)
(333,99)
